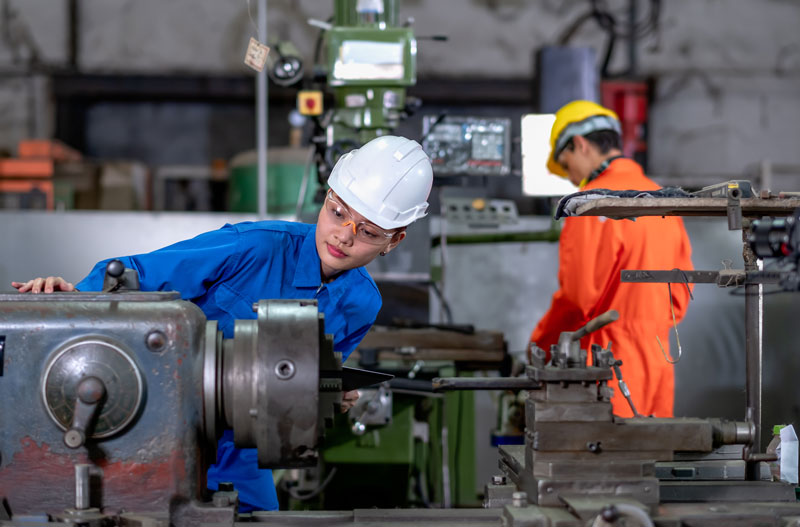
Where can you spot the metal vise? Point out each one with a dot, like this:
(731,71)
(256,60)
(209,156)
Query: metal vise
(140,386)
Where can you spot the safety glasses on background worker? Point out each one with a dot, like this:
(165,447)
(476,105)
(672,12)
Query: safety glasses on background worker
(363,231)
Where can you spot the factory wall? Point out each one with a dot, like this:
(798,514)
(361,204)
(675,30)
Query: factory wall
(726,73)
(726,79)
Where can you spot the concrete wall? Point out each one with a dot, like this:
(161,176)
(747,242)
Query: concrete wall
(727,72)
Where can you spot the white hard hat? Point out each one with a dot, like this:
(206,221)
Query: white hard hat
(387,181)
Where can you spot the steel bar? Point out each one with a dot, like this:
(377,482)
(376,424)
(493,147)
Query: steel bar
(376,517)
(733,277)
(550,235)
(443,384)
(725,491)
(82,486)
(618,208)
(596,323)
(674,276)
(752,335)
(262,108)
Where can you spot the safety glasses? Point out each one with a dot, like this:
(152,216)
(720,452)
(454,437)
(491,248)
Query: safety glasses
(363,231)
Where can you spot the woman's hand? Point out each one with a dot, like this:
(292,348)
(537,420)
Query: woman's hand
(43,285)
(349,400)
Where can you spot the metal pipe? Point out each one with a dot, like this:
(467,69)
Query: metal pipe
(731,432)
(753,304)
(446,497)
(596,323)
(632,59)
(301,197)
(74,34)
(262,114)
(447,384)
(550,235)
(82,486)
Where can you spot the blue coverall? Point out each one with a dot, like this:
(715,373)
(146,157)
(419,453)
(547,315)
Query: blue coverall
(224,272)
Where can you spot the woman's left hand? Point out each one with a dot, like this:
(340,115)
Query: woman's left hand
(349,400)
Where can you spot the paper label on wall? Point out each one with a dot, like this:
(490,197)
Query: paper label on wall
(256,55)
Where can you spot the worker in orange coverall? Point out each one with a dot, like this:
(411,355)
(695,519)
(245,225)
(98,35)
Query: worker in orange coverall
(586,148)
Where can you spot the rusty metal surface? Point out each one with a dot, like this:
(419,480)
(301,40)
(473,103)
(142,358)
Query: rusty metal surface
(532,516)
(618,208)
(139,386)
(156,454)
(289,390)
(445,384)
(736,491)
(269,389)
(79,296)
(387,517)
(498,492)
(586,507)
(432,339)
(745,514)
(576,447)
(480,349)
(687,434)
(567,411)
(577,461)
(725,278)
(115,375)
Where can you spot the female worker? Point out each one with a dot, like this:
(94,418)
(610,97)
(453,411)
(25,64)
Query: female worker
(375,192)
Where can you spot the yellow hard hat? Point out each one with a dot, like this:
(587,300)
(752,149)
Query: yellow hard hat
(577,118)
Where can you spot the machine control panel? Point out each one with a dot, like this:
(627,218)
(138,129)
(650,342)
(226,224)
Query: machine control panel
(462,145)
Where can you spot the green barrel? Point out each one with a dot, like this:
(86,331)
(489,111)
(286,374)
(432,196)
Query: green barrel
(285,169)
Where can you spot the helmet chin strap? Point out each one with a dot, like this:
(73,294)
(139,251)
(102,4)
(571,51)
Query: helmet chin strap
(599,170)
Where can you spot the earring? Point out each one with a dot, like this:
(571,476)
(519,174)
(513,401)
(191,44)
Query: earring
(383,253)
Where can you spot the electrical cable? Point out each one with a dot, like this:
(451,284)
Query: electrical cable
(566,36)
(456,449)
(605,19)
(674,322)
(255,26)
(448,314)
(612,39)
(445,445)
(625,511)
(301,196)
(318,43)
(777,265)
(312,493)
(420,488)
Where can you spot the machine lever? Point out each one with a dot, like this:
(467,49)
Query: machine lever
(118,278)
(596,323)
(91,391)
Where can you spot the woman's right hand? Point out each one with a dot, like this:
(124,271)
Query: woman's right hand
(43,285)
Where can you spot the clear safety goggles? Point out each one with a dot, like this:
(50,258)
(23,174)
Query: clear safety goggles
(363,231)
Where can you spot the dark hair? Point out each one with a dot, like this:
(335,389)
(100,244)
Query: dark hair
(604,140)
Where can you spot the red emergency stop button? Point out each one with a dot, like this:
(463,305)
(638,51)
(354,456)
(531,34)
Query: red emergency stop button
(309,102)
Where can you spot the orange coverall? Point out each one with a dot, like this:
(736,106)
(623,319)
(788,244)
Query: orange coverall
(593,250)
